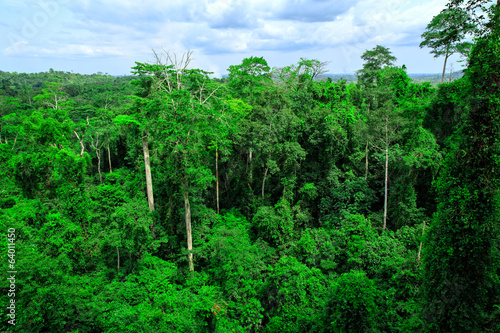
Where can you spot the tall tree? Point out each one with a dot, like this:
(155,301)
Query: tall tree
(146,110)
(375,59)
(103,125)
(295,76)
(381,87)
(226,120)
(97,145)
(446,32)
(248,79)
(384,129)
(181,99)
(53,96)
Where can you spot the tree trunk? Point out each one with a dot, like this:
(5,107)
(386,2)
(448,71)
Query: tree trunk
(264,182)
(81,139)
(81,143)
(149,181)
(97,152)
(217,175)
(97,148)
(420,247)
(386,170)
(109,160)
(189,235)
(444,66)
(15,139)
(385,191)
(366,149)
(250,176)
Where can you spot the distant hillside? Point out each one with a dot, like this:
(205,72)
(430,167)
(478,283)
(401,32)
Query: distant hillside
(337,77)
(433,78)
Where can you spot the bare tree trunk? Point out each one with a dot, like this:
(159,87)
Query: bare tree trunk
(385,190)
(189,234)
(366,149)
(217,175)
(386,170)
(95,144)
(109,160)
(264,182)
(444,66)
(81,139)
(149,181)
(420,247)
(15,139)
(251,167)
(97,152)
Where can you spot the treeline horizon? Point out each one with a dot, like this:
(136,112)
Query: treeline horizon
(349,77)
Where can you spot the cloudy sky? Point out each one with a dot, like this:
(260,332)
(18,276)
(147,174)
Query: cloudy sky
(90,36)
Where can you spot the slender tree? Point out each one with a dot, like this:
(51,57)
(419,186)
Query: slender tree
(385,129)
(94,142)
(147,171)
(445,34)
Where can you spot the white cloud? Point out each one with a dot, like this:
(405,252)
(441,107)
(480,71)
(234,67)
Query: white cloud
(16,48)
(214,28)
(23,48)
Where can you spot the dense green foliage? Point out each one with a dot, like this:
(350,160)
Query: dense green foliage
(461,254)
(276,201)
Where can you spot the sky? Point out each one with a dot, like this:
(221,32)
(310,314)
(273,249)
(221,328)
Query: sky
(109,36)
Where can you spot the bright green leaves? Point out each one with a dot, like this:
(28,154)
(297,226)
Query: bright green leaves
(375,59)
(11,122)
(353,196)
(297,164)
(69,167)
(53,97)
(298,294)
(354,305)
(460,252)
(130,232)
(48,128)
(300,76)
(446,32)
(199,176)
(185,113)
(249,79)
(236,265)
